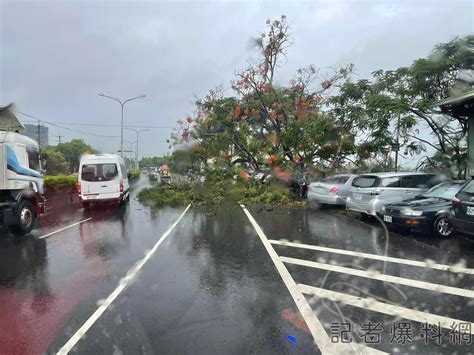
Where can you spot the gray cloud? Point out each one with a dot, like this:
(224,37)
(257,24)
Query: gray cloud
(55,56)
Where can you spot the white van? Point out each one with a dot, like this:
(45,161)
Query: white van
(102,178)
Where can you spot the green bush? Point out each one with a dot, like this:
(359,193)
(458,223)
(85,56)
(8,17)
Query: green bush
(59,183)
(133,175)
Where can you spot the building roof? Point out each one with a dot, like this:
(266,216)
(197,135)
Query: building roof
(9,121)
(458,106)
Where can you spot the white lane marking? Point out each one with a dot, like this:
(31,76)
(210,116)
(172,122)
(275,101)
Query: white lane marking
(320,336)
(62,229)
(382,277)
(427,264)
(122,285)
(381,307)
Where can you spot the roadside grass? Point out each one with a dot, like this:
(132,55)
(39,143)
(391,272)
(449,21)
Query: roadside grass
(133,175)
(60,183)
(153,178)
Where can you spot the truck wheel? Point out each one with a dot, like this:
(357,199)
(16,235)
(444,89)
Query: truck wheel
(26,218)
(86,205)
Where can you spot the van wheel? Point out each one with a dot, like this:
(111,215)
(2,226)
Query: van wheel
(442,228)
(26,219)
(86,205)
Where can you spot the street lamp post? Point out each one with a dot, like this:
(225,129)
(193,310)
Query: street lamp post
(122,104)
(136,148)
(130,151)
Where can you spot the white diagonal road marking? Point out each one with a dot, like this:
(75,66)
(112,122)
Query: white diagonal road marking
(63,229)
(382,277)
(425,264)
(320,336)
(381,307)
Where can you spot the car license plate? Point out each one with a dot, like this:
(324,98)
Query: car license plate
(357,197)
(387,219)
(470,211)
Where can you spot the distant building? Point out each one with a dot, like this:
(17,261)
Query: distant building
(42,137)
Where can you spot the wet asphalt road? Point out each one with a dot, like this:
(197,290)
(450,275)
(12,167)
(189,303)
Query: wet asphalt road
(211,286)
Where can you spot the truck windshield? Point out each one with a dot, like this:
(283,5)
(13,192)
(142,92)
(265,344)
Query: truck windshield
(33,159)
(99,172)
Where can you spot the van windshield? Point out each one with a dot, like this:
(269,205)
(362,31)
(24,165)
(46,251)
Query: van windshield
(365,181)
(99,172)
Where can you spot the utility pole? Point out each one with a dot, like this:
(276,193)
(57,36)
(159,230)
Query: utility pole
(39,134)
(59,138)
(398,143)
(122,104)
(136,148)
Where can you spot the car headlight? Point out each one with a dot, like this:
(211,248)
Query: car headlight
(410,212)
(382,209)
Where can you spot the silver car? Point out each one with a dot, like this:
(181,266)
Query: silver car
(369,192)
(332,190)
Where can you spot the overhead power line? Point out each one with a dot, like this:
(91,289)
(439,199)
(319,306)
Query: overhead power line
(66,128)
(105,125)
(109,125)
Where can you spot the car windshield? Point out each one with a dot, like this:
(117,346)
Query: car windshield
(99,172)
(469,188)
(445,191)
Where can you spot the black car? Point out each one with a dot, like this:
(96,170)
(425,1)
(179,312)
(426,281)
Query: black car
(462,216)
(425,213)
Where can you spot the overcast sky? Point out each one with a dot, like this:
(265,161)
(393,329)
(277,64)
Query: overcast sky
(55,57)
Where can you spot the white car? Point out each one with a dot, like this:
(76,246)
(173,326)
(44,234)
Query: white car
(370,192)
(102,178)
(332,190)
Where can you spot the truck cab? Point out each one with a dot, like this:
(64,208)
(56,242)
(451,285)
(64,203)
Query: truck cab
(21,182)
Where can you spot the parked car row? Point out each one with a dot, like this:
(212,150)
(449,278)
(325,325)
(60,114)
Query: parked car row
(421,202)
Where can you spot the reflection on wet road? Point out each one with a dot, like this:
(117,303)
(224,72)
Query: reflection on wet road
(211,286)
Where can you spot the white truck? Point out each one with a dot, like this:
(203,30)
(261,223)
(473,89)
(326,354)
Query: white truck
(21,180)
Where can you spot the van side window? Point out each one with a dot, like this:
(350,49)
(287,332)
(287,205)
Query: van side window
(393,181)
(415,181)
